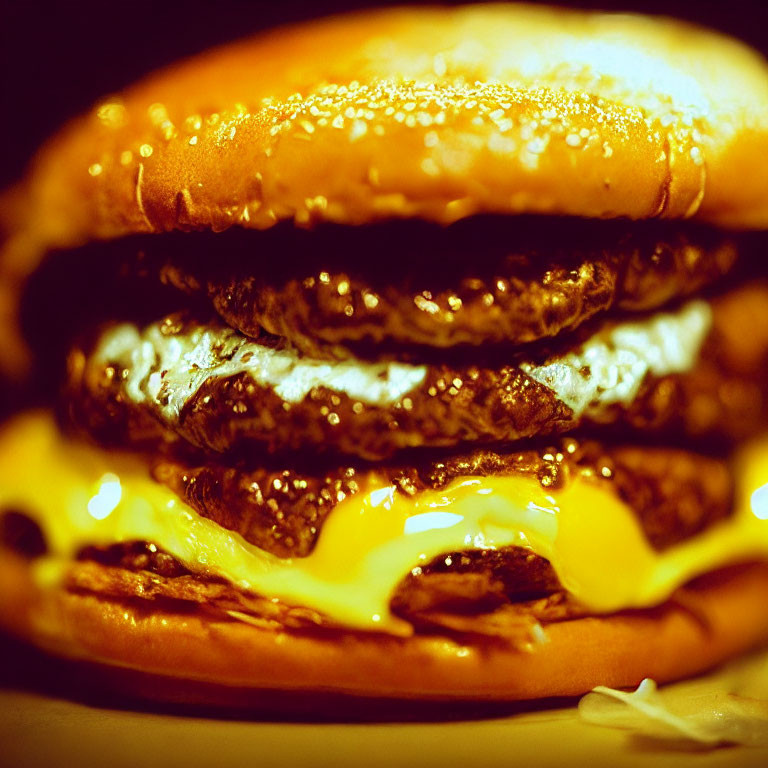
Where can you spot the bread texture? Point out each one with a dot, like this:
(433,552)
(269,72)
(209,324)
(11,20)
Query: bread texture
(716,617)
(436,113)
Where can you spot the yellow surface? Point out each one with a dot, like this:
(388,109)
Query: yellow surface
(38,730)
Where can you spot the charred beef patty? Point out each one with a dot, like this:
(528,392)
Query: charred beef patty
(567,267)
(397,289)
(479,281)
(694,371)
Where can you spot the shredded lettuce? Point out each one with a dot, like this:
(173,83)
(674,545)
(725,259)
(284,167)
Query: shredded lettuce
(709,720)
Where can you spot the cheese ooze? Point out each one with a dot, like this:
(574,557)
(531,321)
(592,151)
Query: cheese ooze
(81,496)
(165,370)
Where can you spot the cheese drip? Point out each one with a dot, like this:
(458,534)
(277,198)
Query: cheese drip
(82,496)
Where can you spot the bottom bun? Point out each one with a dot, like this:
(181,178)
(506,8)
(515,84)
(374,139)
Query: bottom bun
(714,618)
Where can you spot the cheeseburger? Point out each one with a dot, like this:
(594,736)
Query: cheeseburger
(414,353)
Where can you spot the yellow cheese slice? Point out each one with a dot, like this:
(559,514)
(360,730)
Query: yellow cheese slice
(81,495)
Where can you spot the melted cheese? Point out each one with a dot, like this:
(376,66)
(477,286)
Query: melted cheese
(610,366)
(167,369)
(82,496)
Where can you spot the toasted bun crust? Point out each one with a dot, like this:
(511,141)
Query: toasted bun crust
(432,113)
(437,113)
(726,617)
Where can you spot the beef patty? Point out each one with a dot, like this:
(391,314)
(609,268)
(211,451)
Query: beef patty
(479,281)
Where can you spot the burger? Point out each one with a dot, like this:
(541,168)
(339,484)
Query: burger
(415,354)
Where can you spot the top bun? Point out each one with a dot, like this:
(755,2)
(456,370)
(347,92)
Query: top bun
(427,112)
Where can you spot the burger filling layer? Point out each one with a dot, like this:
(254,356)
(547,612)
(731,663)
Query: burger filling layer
(694,371)
(591,538)
(370,435)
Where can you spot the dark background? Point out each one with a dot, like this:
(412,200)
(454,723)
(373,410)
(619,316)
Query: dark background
(60,57)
